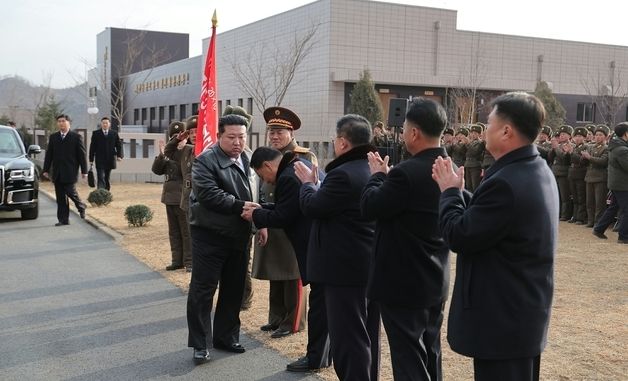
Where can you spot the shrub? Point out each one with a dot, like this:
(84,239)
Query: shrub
(138,215)
(100,197)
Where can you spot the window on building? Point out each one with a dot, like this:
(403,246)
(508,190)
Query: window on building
(249,106)
(133,148)
(240,102)
(219,107)
(152,116)
(136,116)
(171,115)
(162,113)
(194,108)
(228,102)
(144,116)
(148,148)
(585,112)
(182,114)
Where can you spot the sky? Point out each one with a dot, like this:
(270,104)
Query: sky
(55,40)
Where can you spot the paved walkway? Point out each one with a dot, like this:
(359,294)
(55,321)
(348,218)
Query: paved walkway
(75,306)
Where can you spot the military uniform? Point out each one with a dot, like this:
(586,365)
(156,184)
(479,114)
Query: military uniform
(596,178)
(473,161)
(575,176)
(560,168)
(276,261)
(178,228)
(545,146)
(459,149)
(185,158)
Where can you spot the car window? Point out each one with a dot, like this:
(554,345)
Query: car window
(10,145)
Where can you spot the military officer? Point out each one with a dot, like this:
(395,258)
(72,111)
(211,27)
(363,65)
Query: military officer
(447,141)
(277,261)
(180,148)
(596,176)
(560,167)
(590,133)
(575,175)
(473,159)
(459,148)
(543,143)
(178,228)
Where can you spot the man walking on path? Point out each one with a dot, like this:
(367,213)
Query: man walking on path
(106,149)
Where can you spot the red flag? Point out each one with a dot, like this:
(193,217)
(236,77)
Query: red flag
(208,109)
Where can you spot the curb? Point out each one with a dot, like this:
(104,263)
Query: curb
(92,221)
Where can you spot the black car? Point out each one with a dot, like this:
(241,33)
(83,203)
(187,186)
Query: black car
(19,177)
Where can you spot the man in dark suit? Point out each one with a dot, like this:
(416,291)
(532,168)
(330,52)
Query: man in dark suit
(220,240)
(340,249)
(65,154)
(505,236)
(409,277)
(106,148)
(285,213)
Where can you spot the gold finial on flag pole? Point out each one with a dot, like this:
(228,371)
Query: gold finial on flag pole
(214,20)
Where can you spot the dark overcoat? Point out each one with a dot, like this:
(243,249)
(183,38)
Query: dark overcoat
(64,157)
(505,236)
(105,149)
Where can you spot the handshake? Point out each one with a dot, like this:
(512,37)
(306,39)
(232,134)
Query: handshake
(247,210)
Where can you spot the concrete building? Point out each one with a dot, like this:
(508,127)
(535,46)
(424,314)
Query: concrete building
(409,50)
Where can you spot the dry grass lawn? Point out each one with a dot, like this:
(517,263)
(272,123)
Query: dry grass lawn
(588,337)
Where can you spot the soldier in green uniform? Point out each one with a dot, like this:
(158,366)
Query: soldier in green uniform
(575,175)
(276,261)
(597,174)
(473,160)
(178,228)
(459,148)
(487,157)
(543,143)
(560,167)
(447,141)
(180,148)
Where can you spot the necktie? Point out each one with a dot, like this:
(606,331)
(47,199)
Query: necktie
(62,136)
(106,132)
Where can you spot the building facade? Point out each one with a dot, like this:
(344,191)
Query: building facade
(409,51)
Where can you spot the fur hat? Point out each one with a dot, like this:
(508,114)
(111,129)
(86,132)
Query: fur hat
(175,127)
(237,110)
(190,123)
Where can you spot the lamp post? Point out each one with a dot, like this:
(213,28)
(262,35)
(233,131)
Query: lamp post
(92,109)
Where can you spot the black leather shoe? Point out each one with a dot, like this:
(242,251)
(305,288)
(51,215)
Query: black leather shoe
(201,355)
(188,269)
(269,327)
(590,225)
(62,223)
(173,267)
(571,220)
(233,347)
(599,235)
(580,223)
(281,333)
(82,213)
(564,219)
(301,365)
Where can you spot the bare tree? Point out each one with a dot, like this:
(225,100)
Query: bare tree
(266,72)
(465,99)
(609,92)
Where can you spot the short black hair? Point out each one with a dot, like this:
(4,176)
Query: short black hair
(104,118)
(429,116)
(523,110)
(65,116)
(231,120)
(262,154)
(355,128)
(11,123)
(621,129)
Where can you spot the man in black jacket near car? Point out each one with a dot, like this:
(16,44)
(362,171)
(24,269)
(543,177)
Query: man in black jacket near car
(220,240)
(65,154)
(106,148)
(339,249)
(409,275)
(505,235)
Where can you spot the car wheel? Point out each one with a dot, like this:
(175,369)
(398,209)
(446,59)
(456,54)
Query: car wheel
(30,214)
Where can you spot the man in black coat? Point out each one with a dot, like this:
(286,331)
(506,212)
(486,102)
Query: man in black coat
(285,213)
(106,148)
(409,277)
(505,236)
(340,247)
(220,240)
(65,154)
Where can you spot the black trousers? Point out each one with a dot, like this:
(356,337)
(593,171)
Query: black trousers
(523,369)
(566,201)
(63,192)
(179,235)
(618,208)
(318,346)
(215,260)
(103,175)
(414,340)
(353,332)
(287,305)
(473,176)
(578,190)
